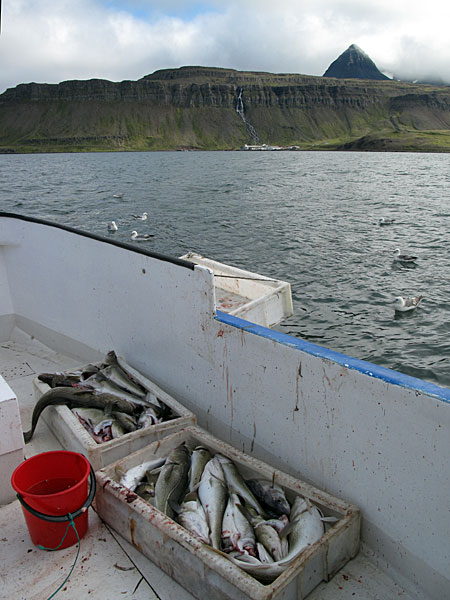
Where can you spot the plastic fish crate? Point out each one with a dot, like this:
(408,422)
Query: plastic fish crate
(251,296)
(73,436)
(204,572)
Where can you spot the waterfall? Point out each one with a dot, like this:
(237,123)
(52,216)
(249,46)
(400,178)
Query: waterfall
(248,126)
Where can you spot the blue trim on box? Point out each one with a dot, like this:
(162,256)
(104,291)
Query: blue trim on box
(363,366)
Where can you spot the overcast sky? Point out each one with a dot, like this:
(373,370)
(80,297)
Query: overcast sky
(49,41)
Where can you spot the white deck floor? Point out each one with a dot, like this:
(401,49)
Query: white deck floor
(108,566)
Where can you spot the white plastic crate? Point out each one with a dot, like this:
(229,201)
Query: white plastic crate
(204,572)
(251,296)
(73,436)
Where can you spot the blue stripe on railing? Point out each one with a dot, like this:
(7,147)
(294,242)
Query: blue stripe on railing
(363,366)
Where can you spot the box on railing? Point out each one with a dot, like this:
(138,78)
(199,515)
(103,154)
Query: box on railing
(203,571)
(250,296)
(73,436)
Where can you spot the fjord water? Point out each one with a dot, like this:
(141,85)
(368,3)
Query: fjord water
(310,218)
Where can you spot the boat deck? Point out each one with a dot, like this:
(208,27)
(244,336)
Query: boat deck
(107,565)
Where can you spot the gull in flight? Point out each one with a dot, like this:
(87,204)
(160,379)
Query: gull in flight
(141,236)
(404,304)
(404,258)
(112,226)
(142,217)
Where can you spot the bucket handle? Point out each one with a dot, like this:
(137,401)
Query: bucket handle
(69,516)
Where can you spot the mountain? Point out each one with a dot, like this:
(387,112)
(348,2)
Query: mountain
(208,108)
(354,64)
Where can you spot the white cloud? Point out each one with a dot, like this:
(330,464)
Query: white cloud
(48,41)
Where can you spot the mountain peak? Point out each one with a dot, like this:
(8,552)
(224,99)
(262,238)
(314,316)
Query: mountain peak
(354,63)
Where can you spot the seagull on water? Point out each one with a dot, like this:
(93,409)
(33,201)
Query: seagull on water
(141,236)
(404,258)
(142,217)
(404,304)
(117,195)
(386,220)
(112,226)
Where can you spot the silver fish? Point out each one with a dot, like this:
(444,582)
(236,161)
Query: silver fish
(91,415)
(199,457)
(131,372)
(237,533)
(172,480)
(131,478)
(307,528)
(213,495)
(267,536)
(101,384)
(263,555)
(279,524)
(115,374)
(112,359)
(236,484)
(193,518)
(148,417)
(109,429)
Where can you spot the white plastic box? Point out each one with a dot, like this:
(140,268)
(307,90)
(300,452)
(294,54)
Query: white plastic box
(256,298)
(11,440)
(201,570)
(73,436)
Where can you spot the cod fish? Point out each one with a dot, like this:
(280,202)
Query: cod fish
(115,375)
(213,495)
(72,398)
(267,536)
(307,526)
(270,495)
(237,533)
(101,384)
(193,518)
(306,529)
(128,422)
(236,484)
(199,457)
(172,480)
(133,477)
(148,416)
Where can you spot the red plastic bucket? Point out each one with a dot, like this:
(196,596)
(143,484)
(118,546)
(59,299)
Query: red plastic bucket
(53,488)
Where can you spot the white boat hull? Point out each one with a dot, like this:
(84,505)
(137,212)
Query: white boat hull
(370,435)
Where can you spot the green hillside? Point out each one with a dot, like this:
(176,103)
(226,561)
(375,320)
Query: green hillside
(197,108)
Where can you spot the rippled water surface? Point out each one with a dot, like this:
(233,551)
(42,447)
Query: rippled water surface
(304,217)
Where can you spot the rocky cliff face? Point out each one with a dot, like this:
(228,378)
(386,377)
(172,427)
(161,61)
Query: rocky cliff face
(201,107)
(197,87)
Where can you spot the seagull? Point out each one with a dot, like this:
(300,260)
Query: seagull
(403,304)
(117,195)
(112,226)
(386,220)
(404,258)
(141,236)
(143,217)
